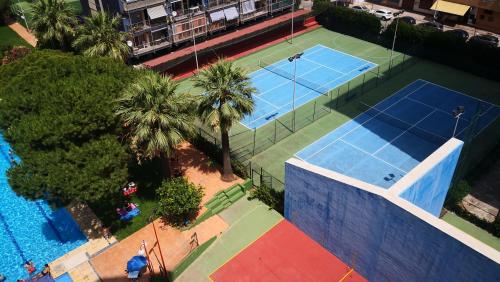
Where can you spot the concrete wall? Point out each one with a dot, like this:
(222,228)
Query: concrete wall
(385,238)
(427,184)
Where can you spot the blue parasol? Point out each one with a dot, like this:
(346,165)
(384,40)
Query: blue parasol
(136,263)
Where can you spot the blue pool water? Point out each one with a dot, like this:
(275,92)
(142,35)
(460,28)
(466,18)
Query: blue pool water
(30,230)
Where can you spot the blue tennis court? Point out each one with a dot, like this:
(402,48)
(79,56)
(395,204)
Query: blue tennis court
(319,70)
(389,139)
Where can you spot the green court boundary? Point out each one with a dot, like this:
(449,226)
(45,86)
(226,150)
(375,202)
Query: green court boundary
(187,261)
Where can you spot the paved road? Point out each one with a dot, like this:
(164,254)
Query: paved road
(420,18)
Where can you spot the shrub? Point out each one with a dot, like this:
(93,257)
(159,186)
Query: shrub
(348,21)
(179,200)
(15,53)
(272,198)
(62,125)
(457,193)
(444,48)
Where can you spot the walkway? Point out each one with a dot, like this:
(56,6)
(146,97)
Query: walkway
(171,59)
(248,220)
(76,262)
(175,244)
(23,33)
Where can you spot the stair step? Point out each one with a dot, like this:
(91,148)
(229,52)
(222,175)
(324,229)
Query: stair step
(218,209)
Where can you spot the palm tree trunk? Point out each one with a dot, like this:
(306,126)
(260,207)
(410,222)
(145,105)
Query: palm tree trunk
(227,171)
(166,167)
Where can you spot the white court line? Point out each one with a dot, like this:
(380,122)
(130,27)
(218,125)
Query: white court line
(284,59)
(335,50)
(314,62)
(402,133)
(432,107)
(375,157)
(360,125)
(482,129)
(277,108)
(461,93)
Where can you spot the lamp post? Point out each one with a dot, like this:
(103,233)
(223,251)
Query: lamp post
(23,16)
(396,15)
(164,271)
(294,59)
(457,113)
(293,10)
(194,39)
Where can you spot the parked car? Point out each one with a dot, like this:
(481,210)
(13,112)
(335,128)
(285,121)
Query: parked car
(485,39)
(383,14)
(459,33)
(408,20)
(361,8)
(434,25)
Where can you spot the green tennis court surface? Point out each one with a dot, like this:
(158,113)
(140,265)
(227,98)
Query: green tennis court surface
(248,220)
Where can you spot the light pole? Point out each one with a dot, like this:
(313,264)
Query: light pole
(194,39)
(396,15)
(294,59)
(23,16)
(457,113)
(293,10)
(164,271)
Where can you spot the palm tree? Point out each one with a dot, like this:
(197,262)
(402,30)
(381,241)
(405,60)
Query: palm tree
(227,98)
(100,37)
(157,115)
(53,22)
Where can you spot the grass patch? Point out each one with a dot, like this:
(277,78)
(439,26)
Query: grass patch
(184,264)
(10,38)
(469,228)
(148,178)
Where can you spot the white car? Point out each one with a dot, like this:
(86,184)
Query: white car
(383,14)
(361,8)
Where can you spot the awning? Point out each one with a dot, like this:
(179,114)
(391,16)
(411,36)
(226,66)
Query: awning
(231,13)
(248,7)
(450,8)
(217,16)
(157,12)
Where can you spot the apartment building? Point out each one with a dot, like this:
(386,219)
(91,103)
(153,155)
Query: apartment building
(483,14)
(159,24)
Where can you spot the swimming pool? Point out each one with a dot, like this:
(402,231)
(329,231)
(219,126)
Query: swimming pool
(30,230)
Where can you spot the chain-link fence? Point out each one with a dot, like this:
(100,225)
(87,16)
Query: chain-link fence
(246,143)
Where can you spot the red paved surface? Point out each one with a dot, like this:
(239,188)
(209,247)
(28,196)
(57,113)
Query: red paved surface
(220,41)
(285,253)
(238,50)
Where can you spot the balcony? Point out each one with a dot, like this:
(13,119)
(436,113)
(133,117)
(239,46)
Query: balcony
(280,5)
(253,9)
(143,26)
(152,46)
(131,5)
(216,4)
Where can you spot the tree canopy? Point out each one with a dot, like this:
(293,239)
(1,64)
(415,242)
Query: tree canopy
(57,110)
(99,36)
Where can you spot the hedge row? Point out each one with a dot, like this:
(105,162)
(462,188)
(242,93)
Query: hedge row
(419,41)
(348,21)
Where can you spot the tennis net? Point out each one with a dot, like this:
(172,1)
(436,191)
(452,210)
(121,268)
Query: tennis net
(396,122)
(274,68)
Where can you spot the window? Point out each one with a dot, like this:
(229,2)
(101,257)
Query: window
(488,12)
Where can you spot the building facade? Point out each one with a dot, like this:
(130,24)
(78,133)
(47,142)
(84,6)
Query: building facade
(482,14)
(159,24)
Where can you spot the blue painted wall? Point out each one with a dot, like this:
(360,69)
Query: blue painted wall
(386,242)
(429,191)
